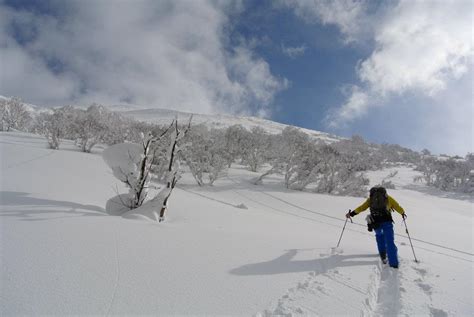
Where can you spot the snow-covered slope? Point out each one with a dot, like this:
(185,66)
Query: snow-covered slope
(231,249)
(163,117)
(217,121)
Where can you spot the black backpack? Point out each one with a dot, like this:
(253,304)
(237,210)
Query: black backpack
(378,204)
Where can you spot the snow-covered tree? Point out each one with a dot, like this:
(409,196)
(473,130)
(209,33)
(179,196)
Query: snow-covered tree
(235,137)
(132,164)
(117,127)
(290,153)
(158,206)
(91,127)
(255,149)
(14,114)
(447,173)
(426,152)
(204,152)
(363,156)
(308,164)
(56,125)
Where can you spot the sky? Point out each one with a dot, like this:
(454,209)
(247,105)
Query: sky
(390,71)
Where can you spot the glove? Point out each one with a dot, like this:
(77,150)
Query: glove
(350,214)
(404,216)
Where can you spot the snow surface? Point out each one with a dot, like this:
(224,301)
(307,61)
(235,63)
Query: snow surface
(231,249)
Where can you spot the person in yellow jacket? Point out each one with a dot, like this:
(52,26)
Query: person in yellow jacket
(380,220)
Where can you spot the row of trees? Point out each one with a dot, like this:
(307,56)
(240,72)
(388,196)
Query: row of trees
(86,127)
(448,174)
(305,163)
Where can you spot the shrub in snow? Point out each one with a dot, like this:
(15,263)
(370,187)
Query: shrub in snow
(14,115)
(132,164)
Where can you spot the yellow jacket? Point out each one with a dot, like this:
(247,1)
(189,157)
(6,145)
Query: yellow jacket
(391,205)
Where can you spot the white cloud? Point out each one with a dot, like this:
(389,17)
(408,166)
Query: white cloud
(420,46)
(356,105)
(351,16)
(293,52)
(168,54)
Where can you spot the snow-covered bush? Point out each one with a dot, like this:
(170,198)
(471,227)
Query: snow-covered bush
(56,125)
(91,127)
(155,209)
(204,152)
(14,115)
(132,164)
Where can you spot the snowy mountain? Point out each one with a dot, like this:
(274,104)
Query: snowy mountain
(218,121)
(231,249)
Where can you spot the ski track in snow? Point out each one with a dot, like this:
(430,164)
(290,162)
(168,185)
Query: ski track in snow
(447,248)
(30,160)
(387,293)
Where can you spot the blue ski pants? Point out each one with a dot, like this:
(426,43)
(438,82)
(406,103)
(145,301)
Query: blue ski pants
(386,242)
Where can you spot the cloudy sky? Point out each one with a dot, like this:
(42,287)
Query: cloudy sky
(390,71)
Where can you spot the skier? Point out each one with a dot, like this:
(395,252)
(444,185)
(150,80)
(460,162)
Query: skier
(380,220)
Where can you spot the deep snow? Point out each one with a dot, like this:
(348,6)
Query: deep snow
(231,249)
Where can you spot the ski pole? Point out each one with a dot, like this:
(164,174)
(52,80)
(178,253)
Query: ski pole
(343,228)
(406,229)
